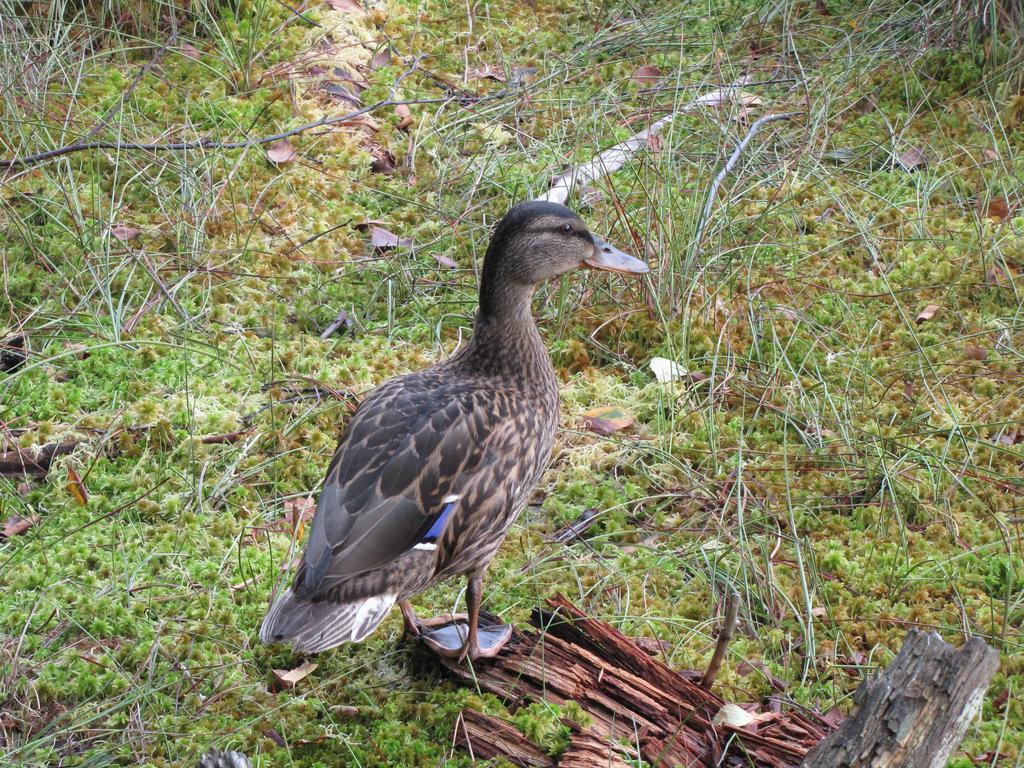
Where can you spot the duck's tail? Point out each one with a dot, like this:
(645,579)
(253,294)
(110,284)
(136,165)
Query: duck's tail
(314,627)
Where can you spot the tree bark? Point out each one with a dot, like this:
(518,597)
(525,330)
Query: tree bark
(23,461)
(916,712)
(631,698)
(486,737)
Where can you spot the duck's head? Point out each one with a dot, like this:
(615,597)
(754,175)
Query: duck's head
(537,241)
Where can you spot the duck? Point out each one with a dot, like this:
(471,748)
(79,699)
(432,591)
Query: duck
(435,465)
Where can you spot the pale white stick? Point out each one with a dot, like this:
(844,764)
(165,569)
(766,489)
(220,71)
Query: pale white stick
(730,164)
(614,158)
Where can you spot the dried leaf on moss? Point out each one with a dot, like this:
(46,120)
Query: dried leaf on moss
(77,488)
(286,679)
(281,152)
(927,313)
(383,239)
(608,420)
(124,233)
(17,525)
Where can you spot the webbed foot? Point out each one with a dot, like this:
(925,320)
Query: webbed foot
(415,626)
(453,641)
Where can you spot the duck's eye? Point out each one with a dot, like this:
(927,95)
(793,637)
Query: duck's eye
(567,228)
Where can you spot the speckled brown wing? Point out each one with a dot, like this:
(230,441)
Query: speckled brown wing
(409,446)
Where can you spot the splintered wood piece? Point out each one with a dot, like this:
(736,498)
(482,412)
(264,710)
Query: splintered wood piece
(587,750)
(486,737)
(916,712)
(28,461)
(630,697)
(608,642)
(732,612)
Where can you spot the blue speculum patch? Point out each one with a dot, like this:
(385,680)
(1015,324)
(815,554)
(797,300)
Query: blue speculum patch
(435,530)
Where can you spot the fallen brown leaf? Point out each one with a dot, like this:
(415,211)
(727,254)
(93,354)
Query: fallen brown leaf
(1001,698)
(346,5)
(834,717)
(652,646)
(189,51)
(911,159)
(404,116)
(78,351)
(647,75)
(17,525)
(974,352)
(298,512)
(745,668)
(275,737)
(927,313)
(488,72)
(362,226)
(576,528)
(381,58)
(444,261)
(383,161)
(607,420)
(999,208)
(76,488)
(339,92)
(281,152)
(124,233)
(286,679)
(382,238)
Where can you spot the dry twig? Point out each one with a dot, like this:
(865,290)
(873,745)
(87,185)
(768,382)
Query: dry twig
(730,164)
(732,612)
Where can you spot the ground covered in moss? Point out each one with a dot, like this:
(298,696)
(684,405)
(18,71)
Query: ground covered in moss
(844,447)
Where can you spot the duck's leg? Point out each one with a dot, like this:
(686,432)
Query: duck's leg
(465,639)
(412,624)
(483,643)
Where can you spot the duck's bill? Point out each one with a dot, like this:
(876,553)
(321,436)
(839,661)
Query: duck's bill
(611,259)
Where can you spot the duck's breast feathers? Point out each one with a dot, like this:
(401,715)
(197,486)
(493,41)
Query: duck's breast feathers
(397,475)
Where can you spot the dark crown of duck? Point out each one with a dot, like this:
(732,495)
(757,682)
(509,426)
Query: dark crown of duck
(436,465)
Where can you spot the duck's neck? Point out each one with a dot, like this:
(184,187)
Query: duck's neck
(506,341)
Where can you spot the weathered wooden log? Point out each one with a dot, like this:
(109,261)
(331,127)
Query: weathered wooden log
(486,737)
(24,461)
(587,750)
(630,697)
(916,712)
